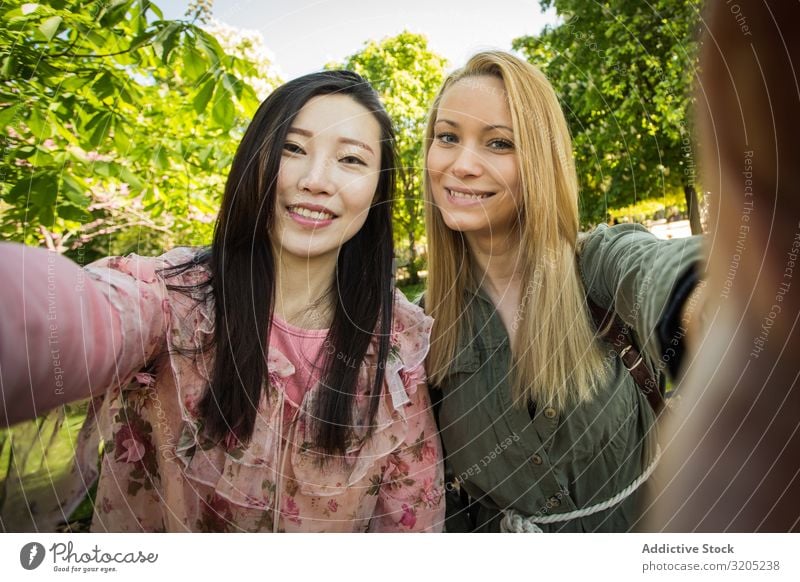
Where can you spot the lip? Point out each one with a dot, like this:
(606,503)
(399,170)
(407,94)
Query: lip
(307,221)
(460,201)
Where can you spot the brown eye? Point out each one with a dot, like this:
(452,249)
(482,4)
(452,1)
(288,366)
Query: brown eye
(292,148)
(353,160)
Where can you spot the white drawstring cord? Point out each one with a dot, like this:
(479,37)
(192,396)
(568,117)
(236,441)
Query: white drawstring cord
(514,522)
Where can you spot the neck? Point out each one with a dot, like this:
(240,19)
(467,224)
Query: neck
(499,265)
(498,261)
(302,289)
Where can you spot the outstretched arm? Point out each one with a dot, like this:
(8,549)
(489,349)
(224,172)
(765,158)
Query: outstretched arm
(62,334)
(648,282)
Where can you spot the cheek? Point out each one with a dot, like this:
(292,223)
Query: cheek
(514,192)
(284,173)
(355,222)
(437,192)
(436,162)
(508,174)
(359,198)
(285,186)
(354,226)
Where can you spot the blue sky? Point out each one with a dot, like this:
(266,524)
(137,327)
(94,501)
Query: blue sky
(303,35)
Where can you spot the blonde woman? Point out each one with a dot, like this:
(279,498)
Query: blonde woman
(545,428)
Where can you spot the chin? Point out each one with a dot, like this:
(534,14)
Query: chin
(306,251)
(460,224)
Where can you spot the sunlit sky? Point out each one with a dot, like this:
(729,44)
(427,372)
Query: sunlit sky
(304,35)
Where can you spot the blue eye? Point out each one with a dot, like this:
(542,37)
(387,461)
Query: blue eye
(501,144)
(446,138)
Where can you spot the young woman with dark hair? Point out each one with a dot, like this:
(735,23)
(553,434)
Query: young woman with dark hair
(272,382)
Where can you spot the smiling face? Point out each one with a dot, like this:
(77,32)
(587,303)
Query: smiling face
(472,161)
(328,176)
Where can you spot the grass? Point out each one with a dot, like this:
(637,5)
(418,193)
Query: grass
(34,457)
(648,208)
(412,292)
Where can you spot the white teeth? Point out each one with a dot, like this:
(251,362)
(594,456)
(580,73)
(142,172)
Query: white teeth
(312,214)
(455,194)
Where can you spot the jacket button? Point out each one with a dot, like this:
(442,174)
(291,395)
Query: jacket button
(550,412)
(536,459)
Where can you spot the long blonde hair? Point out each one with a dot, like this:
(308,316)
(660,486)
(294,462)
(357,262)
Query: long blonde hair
(556,360)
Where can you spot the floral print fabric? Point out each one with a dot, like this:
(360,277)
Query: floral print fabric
(159,472)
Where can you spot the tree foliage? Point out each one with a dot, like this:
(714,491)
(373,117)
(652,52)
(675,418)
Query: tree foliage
(407,75)
(624,71)
(119,126)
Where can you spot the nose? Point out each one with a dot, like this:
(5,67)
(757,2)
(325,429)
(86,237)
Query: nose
(316,177)
(468,163)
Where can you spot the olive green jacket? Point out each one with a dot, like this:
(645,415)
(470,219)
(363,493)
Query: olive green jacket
(561,460)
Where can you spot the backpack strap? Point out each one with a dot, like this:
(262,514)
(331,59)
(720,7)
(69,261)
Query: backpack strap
(617,333)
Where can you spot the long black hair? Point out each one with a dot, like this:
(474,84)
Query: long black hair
(242,281)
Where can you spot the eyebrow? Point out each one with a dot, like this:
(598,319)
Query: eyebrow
(486,127)
(355,142)
(347,140)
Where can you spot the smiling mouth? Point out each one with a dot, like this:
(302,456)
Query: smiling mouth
(468,195)
(311,214)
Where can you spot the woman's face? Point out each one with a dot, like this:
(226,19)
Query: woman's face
(328,177)
(472,162)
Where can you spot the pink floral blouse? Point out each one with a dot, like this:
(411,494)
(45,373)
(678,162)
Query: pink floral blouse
(159,473)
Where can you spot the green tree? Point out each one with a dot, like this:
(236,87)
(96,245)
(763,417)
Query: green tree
(407,75)
(118,125)
(118,128)
(625,71)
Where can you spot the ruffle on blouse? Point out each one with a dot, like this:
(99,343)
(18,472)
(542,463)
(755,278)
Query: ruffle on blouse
(114,273)
(113,276)
(250,475)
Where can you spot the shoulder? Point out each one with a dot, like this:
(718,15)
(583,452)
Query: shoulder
(185,266)
(174,281)
(405,310)
(411,331)
(180,266)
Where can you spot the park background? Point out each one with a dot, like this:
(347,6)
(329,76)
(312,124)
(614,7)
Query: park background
(121,117)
